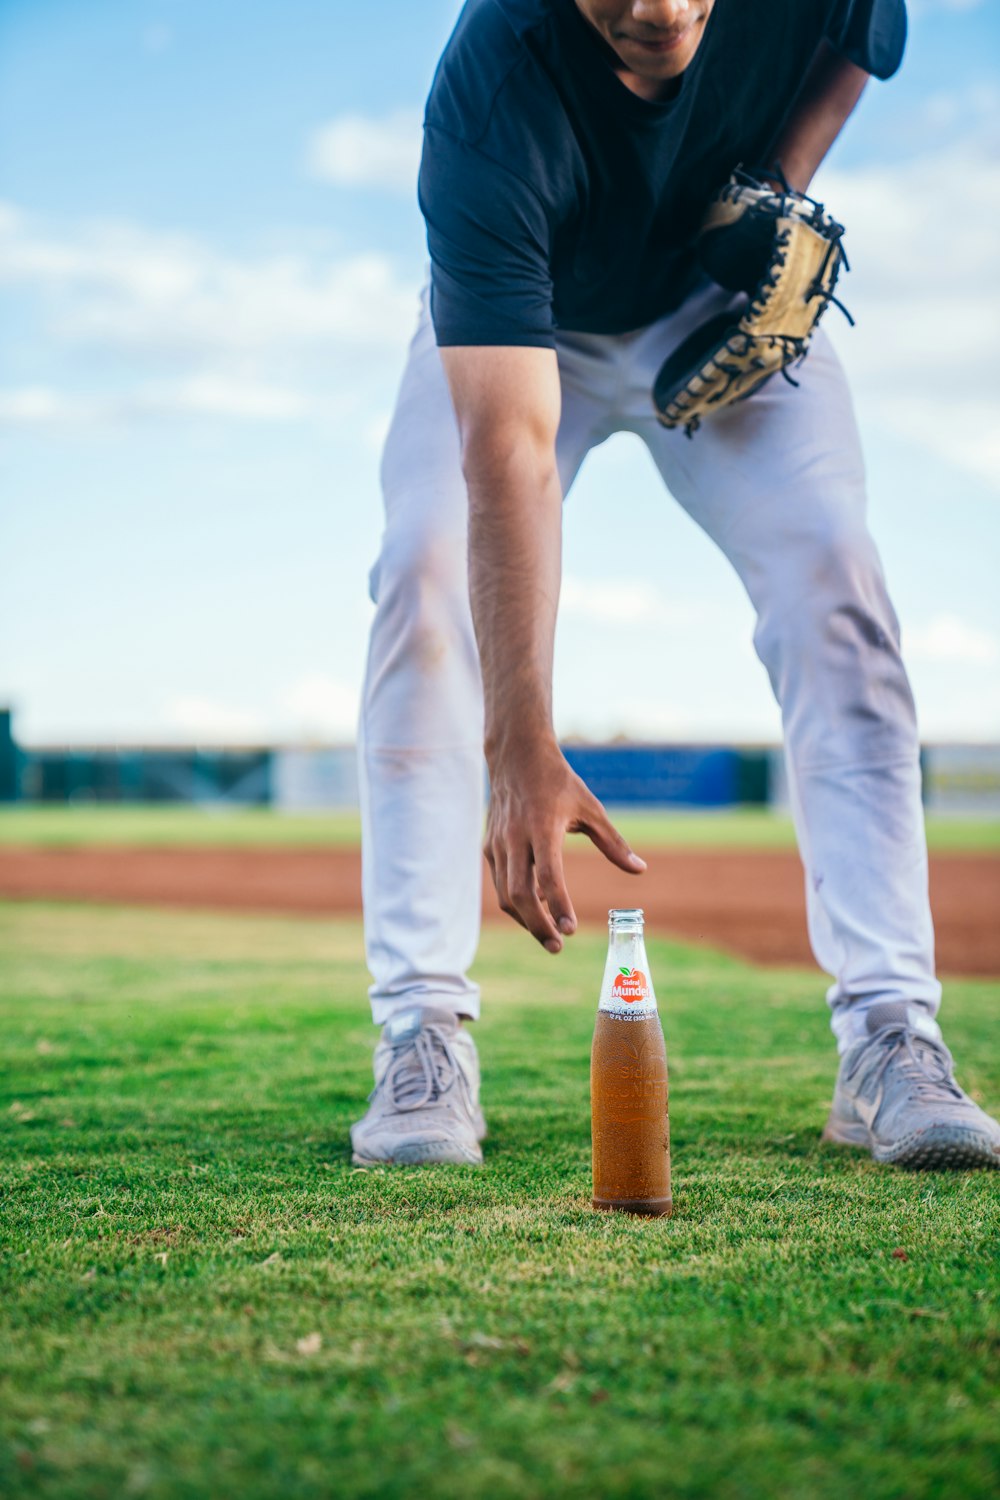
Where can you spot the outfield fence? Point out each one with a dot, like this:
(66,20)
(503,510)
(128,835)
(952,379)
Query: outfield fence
(958,779)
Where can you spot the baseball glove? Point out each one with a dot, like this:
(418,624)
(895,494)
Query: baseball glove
(784,250)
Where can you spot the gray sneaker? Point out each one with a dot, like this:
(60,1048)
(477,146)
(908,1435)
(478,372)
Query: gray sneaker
(425,1103)
(896,1095)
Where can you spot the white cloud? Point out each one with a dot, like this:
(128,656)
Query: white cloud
(358,151)
(206,395)
(277,337)
(966,435)
(376,430)
(216,395)
(322,706)
(34,406)
(208,720)
(972,106)
(100,254)
(121,286)
(946,638)
(314,706)
(620,601)
(921,235)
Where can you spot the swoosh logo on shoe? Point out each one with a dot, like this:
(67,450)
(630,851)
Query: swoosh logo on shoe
(867,1109)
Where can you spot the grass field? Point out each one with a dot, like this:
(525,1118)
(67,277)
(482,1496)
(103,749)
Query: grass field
(201,1298)
(162,826)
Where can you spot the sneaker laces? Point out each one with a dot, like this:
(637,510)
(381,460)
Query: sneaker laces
(927,1067)
(423,1069)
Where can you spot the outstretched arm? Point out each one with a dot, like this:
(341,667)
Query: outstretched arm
(831,89)
(507,401)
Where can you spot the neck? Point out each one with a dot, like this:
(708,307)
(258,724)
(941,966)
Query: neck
(653,90)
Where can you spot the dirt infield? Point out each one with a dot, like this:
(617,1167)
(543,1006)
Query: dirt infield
(749,903)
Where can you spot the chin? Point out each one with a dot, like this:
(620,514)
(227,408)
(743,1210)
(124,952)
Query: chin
(661,68)
(667,68)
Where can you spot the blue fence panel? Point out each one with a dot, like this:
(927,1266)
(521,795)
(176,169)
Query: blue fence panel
(698,776)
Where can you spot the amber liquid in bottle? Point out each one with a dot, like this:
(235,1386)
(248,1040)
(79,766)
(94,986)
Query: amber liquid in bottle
(630,1128)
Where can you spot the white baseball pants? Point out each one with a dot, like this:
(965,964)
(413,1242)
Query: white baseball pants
(778,483)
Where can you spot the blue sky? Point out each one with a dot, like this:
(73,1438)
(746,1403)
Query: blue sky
(209,259)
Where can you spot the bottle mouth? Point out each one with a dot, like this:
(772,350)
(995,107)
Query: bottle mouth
(625,916)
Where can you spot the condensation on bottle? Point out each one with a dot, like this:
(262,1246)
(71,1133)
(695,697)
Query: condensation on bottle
(630,1126)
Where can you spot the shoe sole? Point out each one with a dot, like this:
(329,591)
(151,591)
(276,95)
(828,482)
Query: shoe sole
(421,1154)
(941,1148)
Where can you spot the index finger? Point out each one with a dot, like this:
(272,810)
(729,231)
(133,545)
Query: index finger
(601,831)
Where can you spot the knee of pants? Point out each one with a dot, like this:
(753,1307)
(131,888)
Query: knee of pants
(421,590)
(831,647)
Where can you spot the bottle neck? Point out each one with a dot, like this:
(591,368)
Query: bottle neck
(627,946)
(627,989)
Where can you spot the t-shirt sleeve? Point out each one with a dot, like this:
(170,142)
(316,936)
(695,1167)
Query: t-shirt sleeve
(870,33)
(488,236)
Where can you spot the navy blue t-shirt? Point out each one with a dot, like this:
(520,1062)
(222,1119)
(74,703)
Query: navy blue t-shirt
(554,197)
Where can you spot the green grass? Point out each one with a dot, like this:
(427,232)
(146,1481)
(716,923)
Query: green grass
(154,826)
(201,1298)
(759,828)
(165,826)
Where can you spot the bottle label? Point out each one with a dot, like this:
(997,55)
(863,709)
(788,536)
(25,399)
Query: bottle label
(630,993)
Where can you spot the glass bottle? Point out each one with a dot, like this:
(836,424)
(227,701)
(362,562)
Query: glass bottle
(630,1128)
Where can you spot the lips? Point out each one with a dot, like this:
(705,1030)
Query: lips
(662,44)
